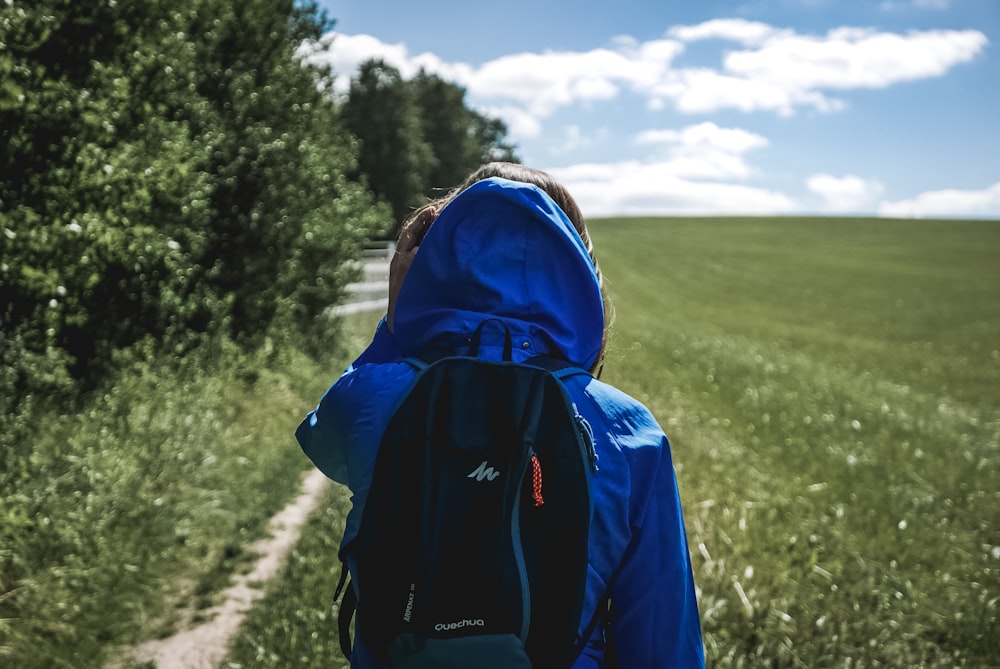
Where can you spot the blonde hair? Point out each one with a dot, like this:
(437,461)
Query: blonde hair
(559,194)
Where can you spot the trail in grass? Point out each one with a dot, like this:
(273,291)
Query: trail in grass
(205,646)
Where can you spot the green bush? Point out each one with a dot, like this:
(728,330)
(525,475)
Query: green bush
(168,169)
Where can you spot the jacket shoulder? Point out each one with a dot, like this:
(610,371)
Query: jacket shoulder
(627,419)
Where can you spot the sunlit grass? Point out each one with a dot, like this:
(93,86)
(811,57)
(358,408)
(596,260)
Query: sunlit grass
(832,390)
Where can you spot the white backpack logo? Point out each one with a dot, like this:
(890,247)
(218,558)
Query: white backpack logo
(483,472)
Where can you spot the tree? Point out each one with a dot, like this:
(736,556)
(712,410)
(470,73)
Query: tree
(394,157)
(491,135)
(418,138)
(280,156)
(166,167)
(446,124)
(461,138)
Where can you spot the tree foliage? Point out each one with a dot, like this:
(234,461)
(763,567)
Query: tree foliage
(395,159)
(460,137)
(418,137)
(167,167)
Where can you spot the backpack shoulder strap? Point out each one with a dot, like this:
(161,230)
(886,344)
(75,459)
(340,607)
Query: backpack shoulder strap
(348,603)
(567,372)
(560,368)
(417,363)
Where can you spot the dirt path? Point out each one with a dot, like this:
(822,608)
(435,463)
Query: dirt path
(206,646)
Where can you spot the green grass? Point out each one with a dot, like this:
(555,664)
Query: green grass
(832,392)
(296,623)
(140,505)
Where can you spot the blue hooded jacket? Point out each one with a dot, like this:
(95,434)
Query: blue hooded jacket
(503,251)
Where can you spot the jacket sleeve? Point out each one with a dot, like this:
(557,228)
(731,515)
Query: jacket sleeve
(339,433)
(654,610)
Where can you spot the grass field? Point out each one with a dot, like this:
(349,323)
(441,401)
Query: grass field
(832,388)
(832,392)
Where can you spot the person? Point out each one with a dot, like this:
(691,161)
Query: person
(510,245)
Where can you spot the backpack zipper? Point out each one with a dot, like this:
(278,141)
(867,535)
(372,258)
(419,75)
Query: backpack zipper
(522,569)
(587,433)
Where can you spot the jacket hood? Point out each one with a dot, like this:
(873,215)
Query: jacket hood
(502,251)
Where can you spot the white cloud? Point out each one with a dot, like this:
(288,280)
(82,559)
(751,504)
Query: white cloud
(848,58)
(950,203)
(702,90)
(636,188)
(345,53)
(575,138)
(749,33)
(849,193)
(776,70)
(520,122)
(543,82)
(706,134)
(704,151)
(537,83)
(780,70)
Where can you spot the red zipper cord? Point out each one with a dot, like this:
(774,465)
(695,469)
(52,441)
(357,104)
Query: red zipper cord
(536,478)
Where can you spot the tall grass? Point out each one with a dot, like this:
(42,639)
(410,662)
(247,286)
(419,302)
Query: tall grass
(832,392)
(138,505)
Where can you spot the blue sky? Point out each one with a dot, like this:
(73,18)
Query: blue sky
(855,107)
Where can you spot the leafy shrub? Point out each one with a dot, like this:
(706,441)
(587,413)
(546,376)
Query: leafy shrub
(168,168)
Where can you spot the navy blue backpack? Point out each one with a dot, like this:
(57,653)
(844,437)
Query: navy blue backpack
(472,549)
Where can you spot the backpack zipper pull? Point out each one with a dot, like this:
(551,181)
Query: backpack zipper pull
(536,480)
